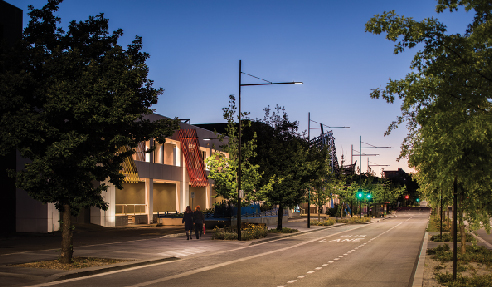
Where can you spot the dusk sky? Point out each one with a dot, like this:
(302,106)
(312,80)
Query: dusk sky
(195,48)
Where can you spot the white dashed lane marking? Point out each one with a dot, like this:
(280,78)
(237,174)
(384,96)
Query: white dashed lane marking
(357,239)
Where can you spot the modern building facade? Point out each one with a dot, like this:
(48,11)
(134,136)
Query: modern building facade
(168,179)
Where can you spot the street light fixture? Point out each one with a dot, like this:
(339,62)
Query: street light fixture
(239,147)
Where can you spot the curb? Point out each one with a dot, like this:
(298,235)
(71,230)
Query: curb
(481,240)
(97,270)
(418,278)
(282,235)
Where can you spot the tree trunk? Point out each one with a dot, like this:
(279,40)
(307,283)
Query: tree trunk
(280,216)
(67,239)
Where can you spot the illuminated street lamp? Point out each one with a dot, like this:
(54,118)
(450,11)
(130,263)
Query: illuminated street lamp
(239,193)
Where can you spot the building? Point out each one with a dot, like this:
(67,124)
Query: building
(168,179)
(10,33)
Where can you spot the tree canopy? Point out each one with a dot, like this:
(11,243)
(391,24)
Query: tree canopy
(74,104)
(446,103)
(285,160)
(224,169)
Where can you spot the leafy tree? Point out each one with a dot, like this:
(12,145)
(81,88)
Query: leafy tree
(326,183)
(446,104)
(284,158)
(74,104)
(223,169)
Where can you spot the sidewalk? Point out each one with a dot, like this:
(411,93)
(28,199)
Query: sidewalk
(139,245)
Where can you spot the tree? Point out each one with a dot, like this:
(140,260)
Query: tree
(223,169)
(326,182)
(284,158)
(446,105)
(74,104)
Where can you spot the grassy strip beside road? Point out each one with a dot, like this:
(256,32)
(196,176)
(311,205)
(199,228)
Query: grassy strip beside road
(473,267)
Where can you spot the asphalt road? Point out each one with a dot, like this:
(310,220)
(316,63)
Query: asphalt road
(378,254)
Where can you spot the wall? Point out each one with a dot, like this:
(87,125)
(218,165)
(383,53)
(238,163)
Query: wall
(132,193)
(164,197)
(199,199)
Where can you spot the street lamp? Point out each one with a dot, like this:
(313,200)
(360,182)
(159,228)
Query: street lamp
(239,148)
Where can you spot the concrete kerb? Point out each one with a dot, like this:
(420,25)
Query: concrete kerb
(283,235)
(418,277)
(103,269)
(489,246)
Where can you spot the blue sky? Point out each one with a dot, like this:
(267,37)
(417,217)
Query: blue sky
(195,48)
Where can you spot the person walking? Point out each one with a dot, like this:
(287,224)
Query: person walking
(199,219)
(188,221)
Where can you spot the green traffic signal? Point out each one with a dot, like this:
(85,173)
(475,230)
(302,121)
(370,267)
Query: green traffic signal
(368,196)
(418,200)
(360,193)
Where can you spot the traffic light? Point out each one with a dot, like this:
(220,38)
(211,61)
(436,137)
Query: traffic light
(407,196)
(417,199)
(360,194)
(368,195)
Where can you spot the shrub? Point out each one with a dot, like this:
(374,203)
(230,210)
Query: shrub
(464,281)
(448,237)
(435,224)
(354,220)
(284,230)
(252,231)
(477,254)
(326,222)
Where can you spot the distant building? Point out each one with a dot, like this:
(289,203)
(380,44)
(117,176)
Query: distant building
(400,177)
(10,24)
(10,33)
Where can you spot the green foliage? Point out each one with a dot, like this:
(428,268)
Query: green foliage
(326,222)
(286,164)
(75,104)
(446,279)
(224,169)
(252,231)
(434,224)
(74,99)
(448,237)
(325,183)
(476,254)
(354,220)
(284,230)
(446,105)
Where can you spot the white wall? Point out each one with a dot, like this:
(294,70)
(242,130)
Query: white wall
(105,218)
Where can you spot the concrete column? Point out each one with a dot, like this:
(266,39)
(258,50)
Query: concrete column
(53,218)
(178,196)
(208,192)
(106,218)
(185,186)
(149,199)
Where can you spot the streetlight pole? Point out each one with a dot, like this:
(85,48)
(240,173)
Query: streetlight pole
(309,189)
(239,147)
(239,166)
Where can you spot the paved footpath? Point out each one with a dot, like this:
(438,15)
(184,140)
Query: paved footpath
(139,245)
